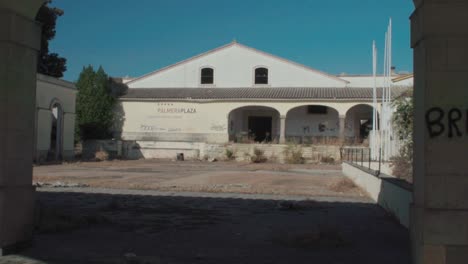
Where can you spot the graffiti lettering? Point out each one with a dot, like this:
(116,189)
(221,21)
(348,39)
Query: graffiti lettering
(437,122)
(455,115)
(435,125)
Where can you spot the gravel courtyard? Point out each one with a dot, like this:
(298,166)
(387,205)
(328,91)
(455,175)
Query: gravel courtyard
(195,176)
(194,212)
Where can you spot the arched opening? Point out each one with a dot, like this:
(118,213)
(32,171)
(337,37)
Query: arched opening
(252,124)
(56,133)
(359,122)
(312,124)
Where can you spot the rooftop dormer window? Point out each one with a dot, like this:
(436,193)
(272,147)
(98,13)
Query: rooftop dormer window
(261,76)
(207,76)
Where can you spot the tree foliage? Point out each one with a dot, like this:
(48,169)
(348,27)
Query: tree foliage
(403,116)
(94,105)
(403,119)
(49,63)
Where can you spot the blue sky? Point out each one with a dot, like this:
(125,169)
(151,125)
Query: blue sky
(136,37)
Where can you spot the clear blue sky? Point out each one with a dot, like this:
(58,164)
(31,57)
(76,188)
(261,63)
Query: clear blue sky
(136,37)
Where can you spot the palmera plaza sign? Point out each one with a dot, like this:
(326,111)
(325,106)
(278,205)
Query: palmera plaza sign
(176,110)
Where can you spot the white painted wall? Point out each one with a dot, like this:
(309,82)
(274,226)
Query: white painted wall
(49,90)
(208,121)
(234,67)
(367,81)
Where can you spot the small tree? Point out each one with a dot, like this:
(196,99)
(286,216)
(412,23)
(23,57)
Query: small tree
(403,123)
(94,105)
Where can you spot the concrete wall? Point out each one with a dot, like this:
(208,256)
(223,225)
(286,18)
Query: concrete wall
(50,90)
(234,66)
(385,191)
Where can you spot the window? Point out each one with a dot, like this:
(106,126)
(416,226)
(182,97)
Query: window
(261,76)
(207,76)
(317,109)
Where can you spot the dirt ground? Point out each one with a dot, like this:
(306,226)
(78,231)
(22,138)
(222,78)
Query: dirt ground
(194,176)
(248,214)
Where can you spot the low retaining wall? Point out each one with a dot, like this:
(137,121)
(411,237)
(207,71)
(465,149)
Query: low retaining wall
(390,193)
(200,150)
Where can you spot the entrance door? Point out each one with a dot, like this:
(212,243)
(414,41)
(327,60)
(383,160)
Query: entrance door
(260,128)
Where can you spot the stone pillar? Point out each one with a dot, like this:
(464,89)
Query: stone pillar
(342,129)
(439,214)
(19,43)
(282,139)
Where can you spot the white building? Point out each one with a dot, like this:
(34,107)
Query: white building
(55,119)
(239,94)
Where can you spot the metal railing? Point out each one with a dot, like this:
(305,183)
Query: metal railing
(362,157)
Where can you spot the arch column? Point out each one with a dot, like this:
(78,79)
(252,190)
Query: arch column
(342,121)
(19,45)
(282,139)
(439,214)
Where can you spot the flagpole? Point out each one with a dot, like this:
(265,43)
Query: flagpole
(374,121)
(389,98)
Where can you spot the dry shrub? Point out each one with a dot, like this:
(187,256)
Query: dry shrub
(342,185)
(229,154)
(402,168)
(402,164)
(101,155)
(328,160)
(258,156)
(293,154)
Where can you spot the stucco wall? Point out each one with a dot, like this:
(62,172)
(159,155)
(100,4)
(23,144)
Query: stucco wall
(234,67)
(49,91)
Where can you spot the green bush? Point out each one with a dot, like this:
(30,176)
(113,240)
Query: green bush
(402,164)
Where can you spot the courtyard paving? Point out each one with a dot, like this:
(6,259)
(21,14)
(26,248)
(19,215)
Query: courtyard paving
(194,212)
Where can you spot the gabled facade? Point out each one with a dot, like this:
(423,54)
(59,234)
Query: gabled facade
(236,66)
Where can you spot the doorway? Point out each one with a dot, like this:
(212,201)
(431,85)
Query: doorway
(56,136)
(260,128)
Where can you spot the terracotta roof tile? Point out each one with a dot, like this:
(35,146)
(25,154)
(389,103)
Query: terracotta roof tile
(256,93)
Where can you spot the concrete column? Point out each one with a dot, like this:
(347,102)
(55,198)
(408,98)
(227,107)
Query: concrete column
(342,129)
(439,215)
(282,130)
(19,43)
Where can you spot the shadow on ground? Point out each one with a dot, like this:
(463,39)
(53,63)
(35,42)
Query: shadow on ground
(104,228)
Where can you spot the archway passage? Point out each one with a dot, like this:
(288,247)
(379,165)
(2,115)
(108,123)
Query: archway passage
(312,124)
(360,122)
(253,124)
(56,133)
